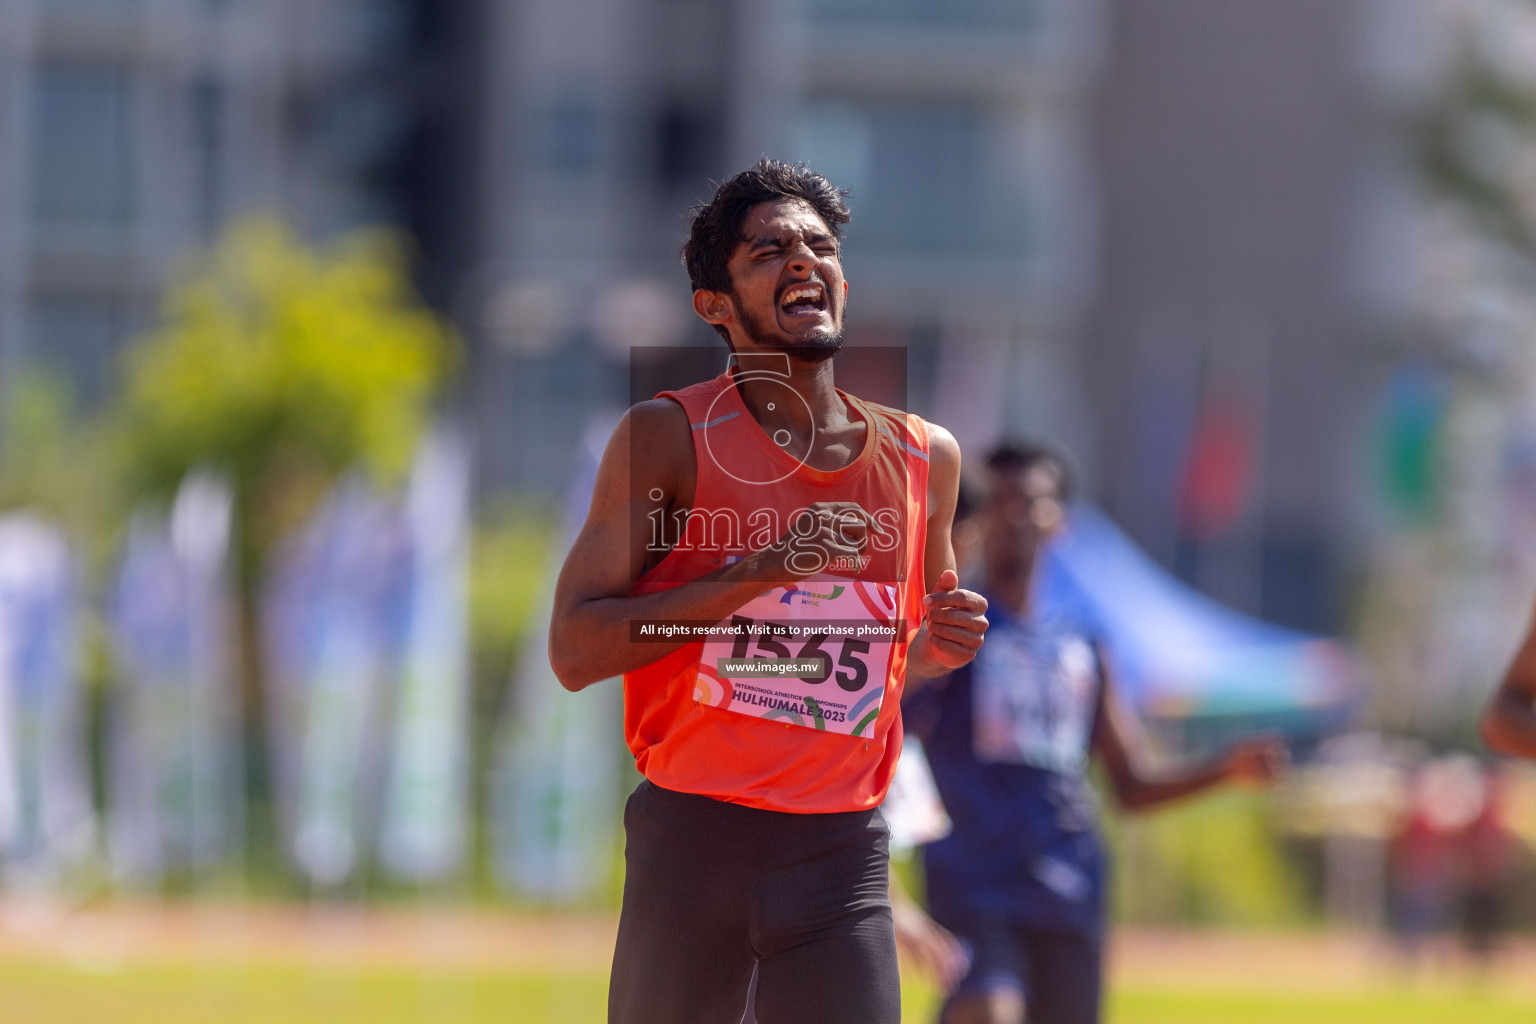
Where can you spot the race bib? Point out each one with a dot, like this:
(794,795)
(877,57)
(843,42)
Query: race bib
(815,654)
(1033,699)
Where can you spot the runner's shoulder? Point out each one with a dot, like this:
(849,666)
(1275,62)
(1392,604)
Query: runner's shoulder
(942,446)
(908,427)
(943,452)
(659,421)
(660,443)
(943,468)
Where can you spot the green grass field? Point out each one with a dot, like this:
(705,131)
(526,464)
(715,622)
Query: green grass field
(44,992)
(1184,1007)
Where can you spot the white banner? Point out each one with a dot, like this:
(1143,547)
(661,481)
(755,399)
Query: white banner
(331,623)
(425,805)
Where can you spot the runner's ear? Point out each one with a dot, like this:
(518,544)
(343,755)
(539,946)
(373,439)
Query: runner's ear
(712,306)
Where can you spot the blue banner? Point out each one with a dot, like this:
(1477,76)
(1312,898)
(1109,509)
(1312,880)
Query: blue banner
(175,790)
(47,822)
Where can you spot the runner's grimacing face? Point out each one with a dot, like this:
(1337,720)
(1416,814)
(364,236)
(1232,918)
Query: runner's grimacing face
(1023,511)
(787,286)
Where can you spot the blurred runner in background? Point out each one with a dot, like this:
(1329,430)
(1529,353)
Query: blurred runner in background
(1021,878)
(1509,724)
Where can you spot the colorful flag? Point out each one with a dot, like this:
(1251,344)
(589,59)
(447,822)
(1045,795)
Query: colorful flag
(1411,420)
(1217,478)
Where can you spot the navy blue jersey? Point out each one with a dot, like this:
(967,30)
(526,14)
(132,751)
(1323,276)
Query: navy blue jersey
(1008,739)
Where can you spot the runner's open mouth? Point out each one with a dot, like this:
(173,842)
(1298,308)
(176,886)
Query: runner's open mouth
(805,298)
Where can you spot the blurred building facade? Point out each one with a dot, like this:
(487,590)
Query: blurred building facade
(134,129)
(1451,563)
(1305,362)
(1130,232)
(1183,242)
(1187,243)
(1225,350)
(959,128)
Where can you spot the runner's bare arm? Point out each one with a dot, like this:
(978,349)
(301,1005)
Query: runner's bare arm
(1139,784)
(956,619)
(648,466)
(1509,724)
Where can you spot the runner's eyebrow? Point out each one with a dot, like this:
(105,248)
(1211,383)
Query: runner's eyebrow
(771,241)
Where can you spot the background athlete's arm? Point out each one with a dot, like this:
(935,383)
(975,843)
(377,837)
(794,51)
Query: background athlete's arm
(1140,784)
(648,465)
(956,619)
(1509,724)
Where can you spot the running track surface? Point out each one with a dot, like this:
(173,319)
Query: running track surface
(123,935)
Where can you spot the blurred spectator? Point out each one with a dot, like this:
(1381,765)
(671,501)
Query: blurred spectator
(1451,861)
(1422,861)
(1488,850)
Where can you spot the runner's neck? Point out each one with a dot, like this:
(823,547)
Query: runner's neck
(821,428)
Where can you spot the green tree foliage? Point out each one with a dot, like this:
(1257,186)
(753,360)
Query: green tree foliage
(52,462)
(1477,141)
(507,577)
(282,365)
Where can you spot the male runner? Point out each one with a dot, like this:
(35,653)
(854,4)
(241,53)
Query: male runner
(808,521)
(1509,724)
(1021,877)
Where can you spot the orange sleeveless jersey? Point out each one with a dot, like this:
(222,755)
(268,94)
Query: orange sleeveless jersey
(803,745)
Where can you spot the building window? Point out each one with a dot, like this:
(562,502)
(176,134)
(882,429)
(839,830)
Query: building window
(80,338)
(835,139)
(380,25)
(989,15)
(572,136)
(82,147)
(688,146)
(207,105)
(88,6)
(924,179)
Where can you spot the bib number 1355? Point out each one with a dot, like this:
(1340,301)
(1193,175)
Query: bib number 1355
(757,639)
(817,654)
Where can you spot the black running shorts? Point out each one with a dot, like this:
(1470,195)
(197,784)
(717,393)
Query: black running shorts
(713,890)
